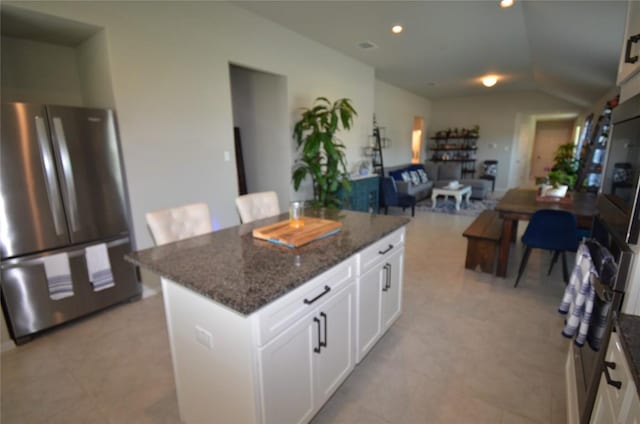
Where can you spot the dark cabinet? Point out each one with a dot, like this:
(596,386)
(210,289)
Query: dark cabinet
(364,195)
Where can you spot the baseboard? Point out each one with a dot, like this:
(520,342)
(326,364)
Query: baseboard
(148,291)
(7,346)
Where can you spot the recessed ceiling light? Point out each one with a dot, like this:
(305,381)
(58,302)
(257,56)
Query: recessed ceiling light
(489,80)
(397,29)
(506,3)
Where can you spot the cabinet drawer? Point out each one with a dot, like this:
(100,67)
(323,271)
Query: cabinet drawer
(284,312)
(380,250)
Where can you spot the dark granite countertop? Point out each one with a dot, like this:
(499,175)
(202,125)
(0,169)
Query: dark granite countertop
(244,274)
(629,331)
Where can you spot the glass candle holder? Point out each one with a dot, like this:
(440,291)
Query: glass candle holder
(296,211)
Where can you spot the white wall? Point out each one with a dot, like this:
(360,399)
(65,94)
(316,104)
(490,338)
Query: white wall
(35,72)
(170,75)
(500,117)
(95,72)
(260,111)
(395,110)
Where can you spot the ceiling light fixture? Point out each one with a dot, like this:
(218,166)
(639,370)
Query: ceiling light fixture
(489,80)
(506,3)
(397,29)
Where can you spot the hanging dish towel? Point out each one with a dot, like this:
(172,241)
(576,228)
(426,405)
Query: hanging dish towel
(58,273)
(578,298)
(99,267)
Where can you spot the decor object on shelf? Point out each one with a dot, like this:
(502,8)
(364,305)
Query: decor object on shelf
(323,155)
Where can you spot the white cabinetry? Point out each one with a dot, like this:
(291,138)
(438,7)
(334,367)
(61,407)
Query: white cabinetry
(630,55)
(617,400)
(283,362)
(302,367)
(629,66)
(379,290)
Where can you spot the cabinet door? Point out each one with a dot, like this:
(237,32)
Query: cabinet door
(335,361)
(392,290)
(633,416)
(602,412)
(625,69)
(286,371)
(369,309)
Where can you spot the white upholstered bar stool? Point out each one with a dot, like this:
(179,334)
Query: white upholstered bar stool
(254,206)
(173,224)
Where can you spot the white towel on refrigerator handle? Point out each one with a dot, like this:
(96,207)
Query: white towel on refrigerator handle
(99,267)
(58,274)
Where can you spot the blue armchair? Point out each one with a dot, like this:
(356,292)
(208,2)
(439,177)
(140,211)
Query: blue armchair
(391,197)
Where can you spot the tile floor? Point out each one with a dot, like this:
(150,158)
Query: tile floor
(468,348)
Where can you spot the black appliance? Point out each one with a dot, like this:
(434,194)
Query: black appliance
(610,290)
(621,184)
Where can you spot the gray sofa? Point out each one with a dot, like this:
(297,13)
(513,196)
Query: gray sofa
(441,173)
(419,191)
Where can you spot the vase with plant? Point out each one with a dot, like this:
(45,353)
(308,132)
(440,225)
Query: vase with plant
(564,172)
(322,153)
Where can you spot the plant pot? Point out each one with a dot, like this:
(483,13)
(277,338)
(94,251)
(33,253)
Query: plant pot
(551,191)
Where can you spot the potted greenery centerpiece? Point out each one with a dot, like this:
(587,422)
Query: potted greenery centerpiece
(322,156)
(564,172)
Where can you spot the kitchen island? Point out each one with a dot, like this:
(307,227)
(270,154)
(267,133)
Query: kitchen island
(261,333)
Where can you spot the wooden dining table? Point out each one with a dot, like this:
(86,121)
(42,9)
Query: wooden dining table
(520,204)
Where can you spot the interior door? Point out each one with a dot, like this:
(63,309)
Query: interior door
(33,218)
(87,152)
(549,135)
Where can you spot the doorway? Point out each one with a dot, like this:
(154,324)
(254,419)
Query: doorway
(549,134)
(261,132)
(416,140)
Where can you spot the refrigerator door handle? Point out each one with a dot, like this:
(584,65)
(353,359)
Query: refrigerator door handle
(51,185)
(67,170)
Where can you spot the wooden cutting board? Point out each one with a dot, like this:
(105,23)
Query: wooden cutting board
(286,235)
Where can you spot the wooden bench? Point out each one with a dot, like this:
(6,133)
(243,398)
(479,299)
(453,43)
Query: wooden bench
(483,238)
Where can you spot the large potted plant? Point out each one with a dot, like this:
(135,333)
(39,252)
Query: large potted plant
(322,153)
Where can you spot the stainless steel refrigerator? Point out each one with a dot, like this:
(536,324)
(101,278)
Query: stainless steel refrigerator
(62,193)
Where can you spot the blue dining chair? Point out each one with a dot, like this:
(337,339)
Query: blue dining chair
(553,230)
(391,197)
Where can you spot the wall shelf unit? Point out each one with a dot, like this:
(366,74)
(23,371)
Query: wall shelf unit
(455,148)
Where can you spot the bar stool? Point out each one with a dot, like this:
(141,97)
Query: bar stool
(254,206)
(173,224)
(489,172)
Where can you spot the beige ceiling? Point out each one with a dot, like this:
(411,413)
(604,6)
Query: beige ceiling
(569,49)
